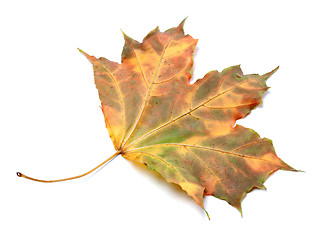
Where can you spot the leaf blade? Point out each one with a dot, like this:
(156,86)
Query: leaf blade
(186,131)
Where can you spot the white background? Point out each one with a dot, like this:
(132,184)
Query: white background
(51,125)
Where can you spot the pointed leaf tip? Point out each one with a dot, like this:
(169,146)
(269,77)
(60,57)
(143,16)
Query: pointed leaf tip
(89,57)
(239,208)
(128,39)
(124,34)
(275,69)
(182,23)
(269,74)
(81,51)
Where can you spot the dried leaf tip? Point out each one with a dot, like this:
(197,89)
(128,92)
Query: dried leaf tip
(182,22)
(269,74)
(89,57)
(81,51)
(240,210)
(124,34)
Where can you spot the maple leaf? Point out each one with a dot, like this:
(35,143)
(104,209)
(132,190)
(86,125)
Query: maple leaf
(184,131)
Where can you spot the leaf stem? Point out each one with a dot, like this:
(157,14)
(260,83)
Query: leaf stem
(71,178)
(207,214)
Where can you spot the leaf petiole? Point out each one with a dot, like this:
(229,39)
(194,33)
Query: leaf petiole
(207,214)
(71,178)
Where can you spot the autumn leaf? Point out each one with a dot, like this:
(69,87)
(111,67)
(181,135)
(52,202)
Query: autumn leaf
(186,132)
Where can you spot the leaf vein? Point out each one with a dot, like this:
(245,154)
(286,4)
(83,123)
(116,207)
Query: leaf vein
(149,91)
(142,72)
(190,111)
(203,147)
